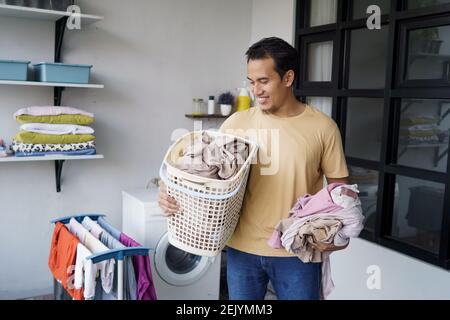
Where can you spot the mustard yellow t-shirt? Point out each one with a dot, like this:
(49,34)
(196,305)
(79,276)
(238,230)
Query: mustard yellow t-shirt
(294,155)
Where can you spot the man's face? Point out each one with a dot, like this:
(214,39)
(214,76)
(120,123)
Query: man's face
(269,89)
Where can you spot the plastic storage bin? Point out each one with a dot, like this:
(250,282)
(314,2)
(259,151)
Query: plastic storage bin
(13,70)
(62,72)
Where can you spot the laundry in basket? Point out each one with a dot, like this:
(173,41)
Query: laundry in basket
(210,204)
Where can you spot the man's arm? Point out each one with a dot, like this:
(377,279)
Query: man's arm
(340,180)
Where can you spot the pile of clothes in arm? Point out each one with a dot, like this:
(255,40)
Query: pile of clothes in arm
(331,216)
(54,130)
(213,157)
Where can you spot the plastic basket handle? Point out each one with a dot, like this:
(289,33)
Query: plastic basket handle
(195,193)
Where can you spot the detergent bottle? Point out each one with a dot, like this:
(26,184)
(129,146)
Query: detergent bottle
(243,99)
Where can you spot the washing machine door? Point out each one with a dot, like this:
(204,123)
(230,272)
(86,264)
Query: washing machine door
(178,267)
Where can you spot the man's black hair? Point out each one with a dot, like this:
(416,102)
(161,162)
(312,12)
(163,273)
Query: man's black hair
(283,54)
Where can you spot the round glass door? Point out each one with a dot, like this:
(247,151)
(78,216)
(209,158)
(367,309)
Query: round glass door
(178,267)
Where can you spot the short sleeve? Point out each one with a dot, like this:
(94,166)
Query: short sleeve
(333,162)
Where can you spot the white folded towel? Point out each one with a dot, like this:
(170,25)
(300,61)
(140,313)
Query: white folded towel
(56,129)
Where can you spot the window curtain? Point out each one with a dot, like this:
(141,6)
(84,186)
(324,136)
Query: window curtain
(321,53)
(323,12)
(323,104)
(320,61)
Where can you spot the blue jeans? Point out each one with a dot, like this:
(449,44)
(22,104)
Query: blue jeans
(248,276)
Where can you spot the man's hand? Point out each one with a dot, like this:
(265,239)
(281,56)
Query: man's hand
(322,247)
(168,204)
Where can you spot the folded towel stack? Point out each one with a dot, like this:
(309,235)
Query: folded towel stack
(54,130)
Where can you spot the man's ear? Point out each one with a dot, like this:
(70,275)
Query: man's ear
(288,78)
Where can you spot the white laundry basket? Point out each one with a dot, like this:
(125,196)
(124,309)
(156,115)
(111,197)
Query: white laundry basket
(210,207)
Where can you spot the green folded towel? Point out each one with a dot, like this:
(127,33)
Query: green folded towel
(37,138)
(79,119)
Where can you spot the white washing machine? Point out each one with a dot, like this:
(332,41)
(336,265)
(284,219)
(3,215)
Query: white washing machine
(177,274)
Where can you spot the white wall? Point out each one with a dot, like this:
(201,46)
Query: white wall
(153,57)
(402,277)
(273,19)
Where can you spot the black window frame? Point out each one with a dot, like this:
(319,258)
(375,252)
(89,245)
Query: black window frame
(402,59)
(398,21)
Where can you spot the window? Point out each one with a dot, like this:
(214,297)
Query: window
(320,55)
(324,104)
(368,62)
(428,54)
(418,207)
(364,128)
(414,4)
(388,90)
(323,12)
(367,181)
(424,134)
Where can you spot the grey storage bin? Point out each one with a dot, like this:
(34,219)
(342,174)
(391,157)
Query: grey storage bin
(14,70)
(62,72)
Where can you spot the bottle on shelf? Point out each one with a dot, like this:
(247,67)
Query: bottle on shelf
(211,105)
(243,99)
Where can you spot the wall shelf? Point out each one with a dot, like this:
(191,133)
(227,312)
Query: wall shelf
(51,84)
(50,158)
(59,18)
(206,116)
(43,14)
(59,161)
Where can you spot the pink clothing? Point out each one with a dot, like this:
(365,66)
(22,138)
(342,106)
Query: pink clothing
(307,205)
(321,202)
(50,111)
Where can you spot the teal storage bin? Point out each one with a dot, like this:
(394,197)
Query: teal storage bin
(62,72)
(14,70)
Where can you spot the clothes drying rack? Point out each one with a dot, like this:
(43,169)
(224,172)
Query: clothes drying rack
(118,254)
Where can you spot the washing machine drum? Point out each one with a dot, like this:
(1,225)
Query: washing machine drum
(178,267)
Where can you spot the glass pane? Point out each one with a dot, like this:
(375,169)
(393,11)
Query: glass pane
(364,128)
(428,54)
(418,207)
(368,62)
(360,7)
(179,261)
(367,181)
(324,104)
(414,4)
(323,12)
(320,60)
(424,133)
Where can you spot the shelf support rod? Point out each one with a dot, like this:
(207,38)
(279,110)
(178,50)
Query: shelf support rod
(60,27)
(58,172)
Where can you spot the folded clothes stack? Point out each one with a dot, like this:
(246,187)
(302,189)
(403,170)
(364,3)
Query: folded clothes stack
(54,130)
(422,131)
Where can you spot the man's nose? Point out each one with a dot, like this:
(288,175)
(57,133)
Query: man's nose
(257,90)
